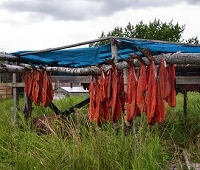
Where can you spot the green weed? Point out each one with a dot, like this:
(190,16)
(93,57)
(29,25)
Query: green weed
(91,147)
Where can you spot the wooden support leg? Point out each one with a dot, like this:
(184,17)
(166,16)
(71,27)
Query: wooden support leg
(67,112)
(185,103)
(53,107)
(27,107)
(72,109)
(15,99)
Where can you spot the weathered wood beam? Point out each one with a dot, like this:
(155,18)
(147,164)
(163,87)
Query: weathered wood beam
(17,84)
(6,57)
(179,58)
(187,79)
(66,46)
(11,68)
(76,71)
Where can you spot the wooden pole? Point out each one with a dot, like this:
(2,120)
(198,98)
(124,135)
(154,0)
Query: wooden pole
(66,46)
(15,98)
(114,50)
(185,97)
(114,56)
(7,57)
(27,107)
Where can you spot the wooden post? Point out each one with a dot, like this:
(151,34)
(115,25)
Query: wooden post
(126,125)
(27,107)
(15,98)
(185,103)
(114,56)
(129,125)
(114,49)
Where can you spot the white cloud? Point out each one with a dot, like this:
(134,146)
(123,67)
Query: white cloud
(41,25)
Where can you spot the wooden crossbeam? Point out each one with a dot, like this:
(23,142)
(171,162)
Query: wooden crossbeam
(187,79)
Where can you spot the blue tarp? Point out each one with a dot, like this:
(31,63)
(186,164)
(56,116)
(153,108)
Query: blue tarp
(80,57)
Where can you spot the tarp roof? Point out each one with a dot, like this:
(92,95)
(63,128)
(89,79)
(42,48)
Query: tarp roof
(88,56)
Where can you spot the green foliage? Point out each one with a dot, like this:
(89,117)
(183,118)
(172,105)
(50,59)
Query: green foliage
(91,147)
(155,30)
(193,40)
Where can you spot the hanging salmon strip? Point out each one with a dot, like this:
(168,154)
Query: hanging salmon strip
(35,90)
(28,82)
(44,89)
(50,91)
(172,82)
(108,84)
(162,92)
(119,98)
(107,104)
(97,101)
(114,88)
(131,93)
(160,111)
(151,93)
(105,87)
(98,109)
(105,113)
(102,85)
(163,79)
(142,88)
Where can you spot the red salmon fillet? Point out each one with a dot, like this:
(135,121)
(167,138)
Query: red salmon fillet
(131,93)
(102,85)
(45,89)
(114,85)
(163,79)
(172,78)
(97,101)
(151,93)
(142,88)
(119,98)
(160,111)
(50,91)
(27,81)
(35,88)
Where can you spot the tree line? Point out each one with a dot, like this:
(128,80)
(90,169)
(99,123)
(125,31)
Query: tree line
(156,30)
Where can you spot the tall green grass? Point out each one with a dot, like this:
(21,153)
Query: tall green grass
(90,147)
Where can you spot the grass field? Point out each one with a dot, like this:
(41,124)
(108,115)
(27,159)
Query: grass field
(90,147)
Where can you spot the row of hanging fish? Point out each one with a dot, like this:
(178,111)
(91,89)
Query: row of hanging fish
(148,90)
(38,86)
(106,95)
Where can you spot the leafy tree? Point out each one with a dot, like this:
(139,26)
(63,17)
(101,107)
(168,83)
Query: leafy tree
(155,30)
(193,40)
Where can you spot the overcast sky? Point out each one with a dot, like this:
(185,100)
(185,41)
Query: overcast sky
(41,24)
